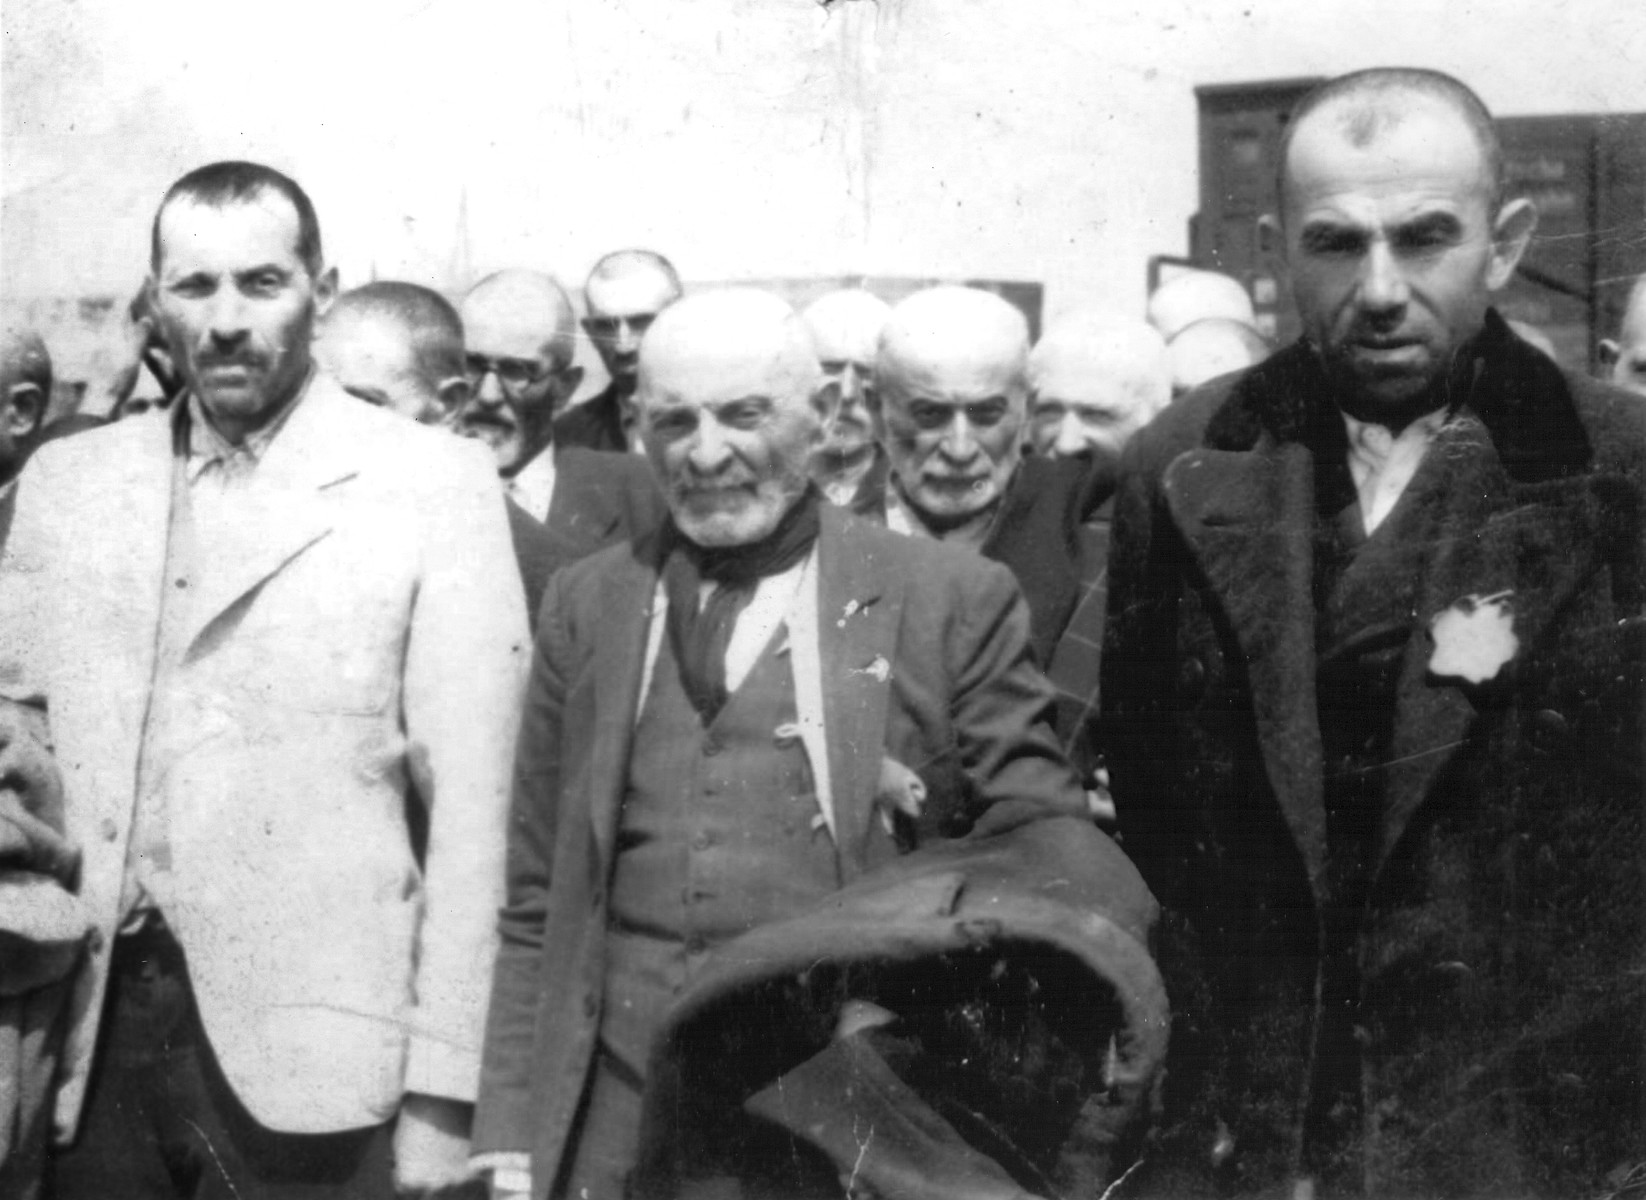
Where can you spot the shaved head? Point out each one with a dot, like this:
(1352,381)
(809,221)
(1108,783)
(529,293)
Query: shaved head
(397,345)
(520,332)
(1198,296)
(624,293)
(846,325)
(1365,106)
(1095,379)
(949,334)
(727,381)
(951,401)
(1211,348)
(522,307)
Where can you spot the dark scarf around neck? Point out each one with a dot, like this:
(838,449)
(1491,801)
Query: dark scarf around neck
(699,637)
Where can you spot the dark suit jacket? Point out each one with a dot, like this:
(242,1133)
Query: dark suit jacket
(598,499)
(925,658)
(1487,984)
(595,424)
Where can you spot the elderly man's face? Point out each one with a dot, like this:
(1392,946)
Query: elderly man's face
(376,363)
(515,382)
(1392,247)
(1081,413)
(237,305)
(730,439)
(847,355)
(620,312)
(954,434)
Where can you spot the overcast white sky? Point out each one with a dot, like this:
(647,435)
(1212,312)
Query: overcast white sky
(1038,139)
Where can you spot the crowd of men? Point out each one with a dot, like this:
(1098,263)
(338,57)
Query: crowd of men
(405,769)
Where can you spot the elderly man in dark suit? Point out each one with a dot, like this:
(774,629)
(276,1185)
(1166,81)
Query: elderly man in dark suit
(1372,691)
(519,332)
(726,723)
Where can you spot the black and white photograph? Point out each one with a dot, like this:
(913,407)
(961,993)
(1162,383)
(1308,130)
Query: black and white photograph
(822,600)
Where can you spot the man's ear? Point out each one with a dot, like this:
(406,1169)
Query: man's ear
(1511,233)
(26,410)
(325,291)
(1609,351)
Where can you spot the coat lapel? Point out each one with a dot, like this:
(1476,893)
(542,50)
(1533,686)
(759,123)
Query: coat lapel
(860,606)
(288,506)
(1537,541)
(1248,516)
(618,664)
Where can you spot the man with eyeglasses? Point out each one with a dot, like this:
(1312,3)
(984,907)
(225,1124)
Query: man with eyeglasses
(624,293)
(520,333)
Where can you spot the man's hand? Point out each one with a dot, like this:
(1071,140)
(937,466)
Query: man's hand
(431,1150)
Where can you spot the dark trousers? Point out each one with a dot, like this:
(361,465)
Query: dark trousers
(161,1123)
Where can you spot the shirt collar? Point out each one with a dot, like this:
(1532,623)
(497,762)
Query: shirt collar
(1372,441)
(207,446)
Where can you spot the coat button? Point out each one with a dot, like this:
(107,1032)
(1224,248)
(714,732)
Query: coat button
(109,829)
(1549,730)
(590,1005)
(1191,677)
(711,747)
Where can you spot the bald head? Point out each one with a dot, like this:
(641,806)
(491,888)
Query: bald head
(951,400)
(397,345)
(520,331)
(726,387)
(845,327)
(625,292)
(25,392)
(1627,354)
(1366,106)
(1211,348)
(1198,296)
(1094,381)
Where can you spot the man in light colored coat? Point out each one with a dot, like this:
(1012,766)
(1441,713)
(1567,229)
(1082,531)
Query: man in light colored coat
(255,624)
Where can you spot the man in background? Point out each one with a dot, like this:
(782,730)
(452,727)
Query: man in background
(1094,381)
(519,330)
(845,326)
(1210,347)
(624,293)
(396,345)
(1191,296)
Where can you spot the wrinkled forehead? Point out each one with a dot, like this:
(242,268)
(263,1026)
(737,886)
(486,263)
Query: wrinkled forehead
(959,372)
(1395,155)
(498,329)
(263,228)
(711,375)
(1090,379)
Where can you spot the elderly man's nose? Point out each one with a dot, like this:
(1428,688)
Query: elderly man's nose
(489,391)
(960,439)
(1071,437)
(709,451)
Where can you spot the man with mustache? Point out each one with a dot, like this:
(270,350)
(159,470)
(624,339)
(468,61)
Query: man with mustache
(296,610)
(624,293)
(1094,381)
(845,326)
(727,722)
(1372,701)
(520,332)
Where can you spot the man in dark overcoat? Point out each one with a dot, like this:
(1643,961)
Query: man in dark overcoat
(1372,702)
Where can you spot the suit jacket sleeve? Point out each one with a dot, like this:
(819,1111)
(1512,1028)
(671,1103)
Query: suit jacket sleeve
(1001,708)
(533,825)
(465,660)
